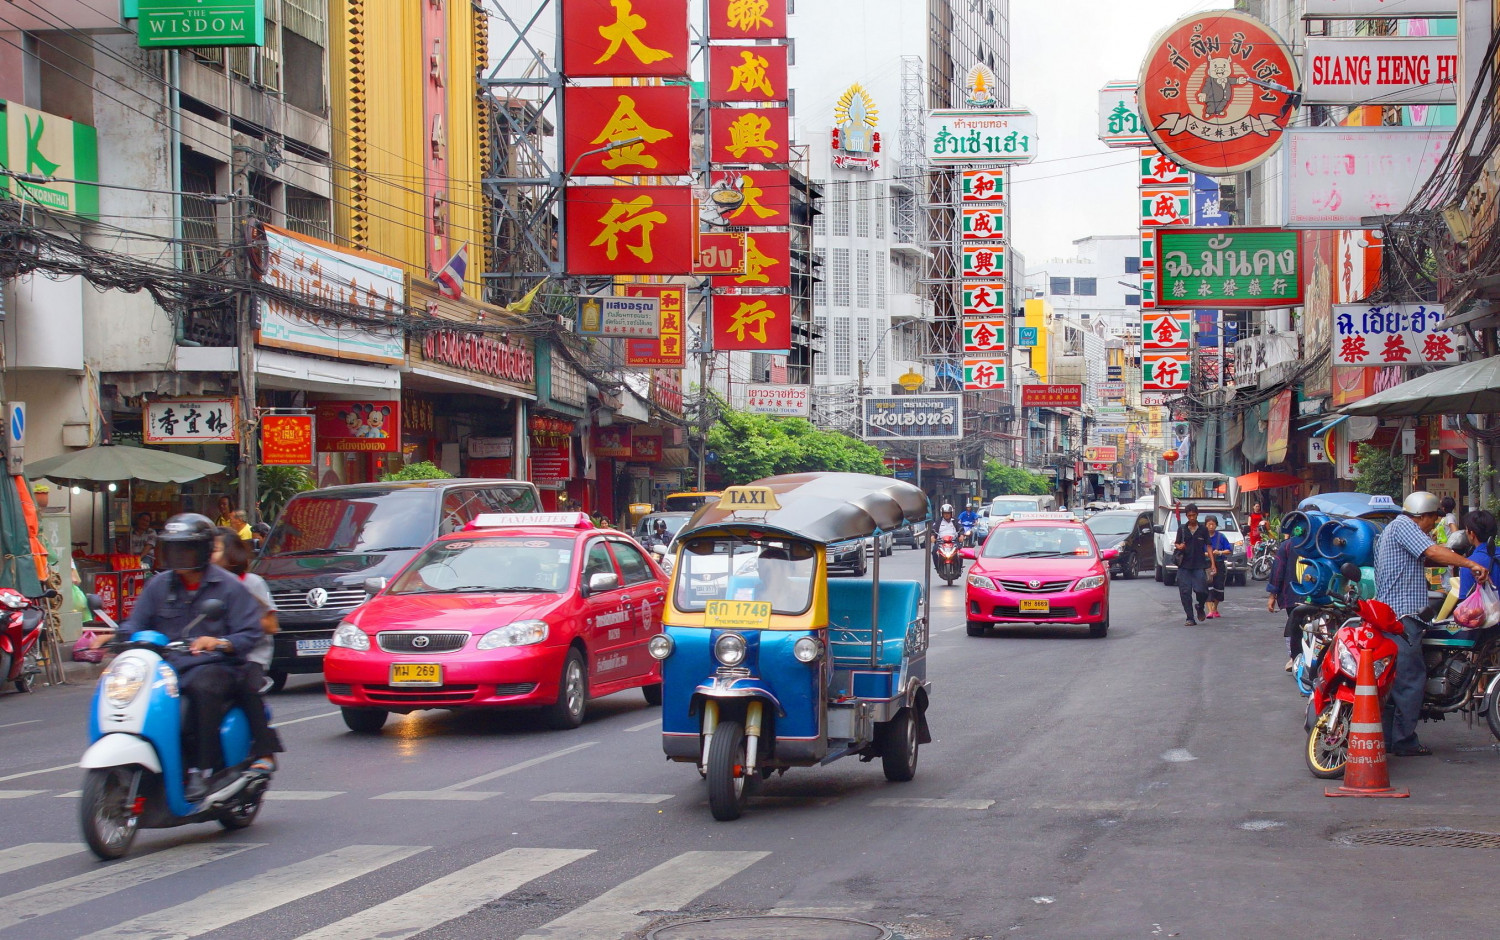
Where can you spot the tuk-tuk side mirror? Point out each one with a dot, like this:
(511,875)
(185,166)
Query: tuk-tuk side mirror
(968,553)
(603,581)
(1158,529)
(374,586)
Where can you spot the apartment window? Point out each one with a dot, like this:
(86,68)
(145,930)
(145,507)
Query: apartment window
(1132,300)
(862,279)
(840,345)
(1061,286)
(863,338)
(840,277)
(862,209)
(840,190)
(1132,265)
(820,221)
(880,210)
(308,214)
(820,292)
(882,271)
(791,100)
(200,222)
(884,327)
(1086,287)
(820,360)
(791,51)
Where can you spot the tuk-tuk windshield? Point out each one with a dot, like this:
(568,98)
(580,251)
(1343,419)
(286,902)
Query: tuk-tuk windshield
(720,567)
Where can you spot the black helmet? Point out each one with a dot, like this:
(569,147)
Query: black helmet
(186,542)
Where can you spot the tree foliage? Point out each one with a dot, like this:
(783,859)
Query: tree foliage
(749,447)
(1004,480)
(423,470)
(1379,472)
(277,485)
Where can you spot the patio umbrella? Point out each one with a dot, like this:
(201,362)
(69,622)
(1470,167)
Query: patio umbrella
(1472,388)
(1266,480)
(113,462)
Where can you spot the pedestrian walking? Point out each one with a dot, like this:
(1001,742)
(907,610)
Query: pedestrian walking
(1219,550)
(1192,565)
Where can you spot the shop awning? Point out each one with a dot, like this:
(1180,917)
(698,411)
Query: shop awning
(1472,388)
(110,463)
(1266,480)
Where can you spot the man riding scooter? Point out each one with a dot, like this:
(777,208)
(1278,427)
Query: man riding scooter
(966,522)
(209,672)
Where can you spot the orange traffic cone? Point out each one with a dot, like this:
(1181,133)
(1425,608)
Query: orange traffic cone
(1365,772)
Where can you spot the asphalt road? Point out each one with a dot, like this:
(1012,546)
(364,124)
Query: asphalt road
(1149,784)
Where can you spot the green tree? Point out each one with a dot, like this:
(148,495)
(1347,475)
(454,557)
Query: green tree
(749,447)
(1380,472)
(1004,480)
(277,485)
(425,470)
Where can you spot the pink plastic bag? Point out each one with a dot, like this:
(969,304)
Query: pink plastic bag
(1480,609)
(83,650)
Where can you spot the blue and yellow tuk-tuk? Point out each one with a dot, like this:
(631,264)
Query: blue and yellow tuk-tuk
(767,662)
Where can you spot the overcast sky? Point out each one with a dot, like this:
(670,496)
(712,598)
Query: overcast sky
(1062,53)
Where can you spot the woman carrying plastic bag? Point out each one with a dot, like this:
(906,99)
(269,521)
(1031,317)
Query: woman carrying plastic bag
(1479,608)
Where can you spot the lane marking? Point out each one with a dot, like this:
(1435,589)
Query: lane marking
(236,902)
(17,724)
(951,629)
(449,897)
(455,796)
(670,886)
(104,881)
(33,773)
(34,853)
(922,802)
(17,794)
(70,795)
(653,723)
(482,778)
(1178,755)
(602,798)
(282,724)
(302,794)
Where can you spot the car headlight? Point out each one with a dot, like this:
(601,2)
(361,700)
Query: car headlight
(660,646)
(1348,664)
(1089,583)
(350,637)
(981,582)
(729,649)
(1381,665)
(807,650)
(124,681)
(520,633)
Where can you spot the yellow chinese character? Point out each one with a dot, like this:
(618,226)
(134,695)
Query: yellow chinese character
(749,133)
(755,265)
(623,30)
(623,217)
(624,124)
(752,194)
(745,15)
(750,74)
(751,318)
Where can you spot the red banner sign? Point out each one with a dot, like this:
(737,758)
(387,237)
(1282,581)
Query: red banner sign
(286,440)
(625,37)
(746,19)
(598,116)
(760,322)
(767,194)
(749,135)
(551,463)
(718,253)
(645,448)
(630,229)
(482,353)
(665,351)
(747,73)
(612,441)
(1052,396)
(359,426)
(768,262)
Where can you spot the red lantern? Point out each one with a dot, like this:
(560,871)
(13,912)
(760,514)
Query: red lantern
(1170,456)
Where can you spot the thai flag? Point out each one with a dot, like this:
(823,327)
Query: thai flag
(450,280)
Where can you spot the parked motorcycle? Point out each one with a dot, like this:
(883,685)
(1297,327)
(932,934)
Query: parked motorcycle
(1332,702)
(23,626)
(946,560)
(1463,673)
(1264,557)
(134,772)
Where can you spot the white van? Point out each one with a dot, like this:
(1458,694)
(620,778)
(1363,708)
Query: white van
(1216,495)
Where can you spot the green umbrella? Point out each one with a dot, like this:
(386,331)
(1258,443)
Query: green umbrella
(17,567)
(108,463)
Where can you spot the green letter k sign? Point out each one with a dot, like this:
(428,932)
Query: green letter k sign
(35,161)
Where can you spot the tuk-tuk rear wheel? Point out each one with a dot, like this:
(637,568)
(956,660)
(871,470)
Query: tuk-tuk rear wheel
(898,747)
(728,786)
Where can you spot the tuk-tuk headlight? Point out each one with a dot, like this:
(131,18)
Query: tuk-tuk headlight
(729,649)
(124,681)
(660,646)
(350,637)
(807,650)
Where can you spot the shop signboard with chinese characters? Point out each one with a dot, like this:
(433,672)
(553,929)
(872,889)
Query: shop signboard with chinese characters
(1158,169)
(619,317)
(739,19)
(639,38)
(1198,97)
(986,335)
(984,261)
(659,116)
(1382,70)
(629,230)
(1265,360)
(1166,329)
(1336,176)
(665,351)
(718,253)
(983,185)
(60,150)
(1392,335)
(1166,205)
(1165,371)
(286,440)
(1052,396)
(165,24)
(768,262)
(984,373)
(766,195)
(754,74)
(981,137)
(1228,267)
(749,135)
(785,401)
(1120,123)
(984,299)
(982,222)
(358,426)
(856,142)
(912,418)
(757,322)
(192,421)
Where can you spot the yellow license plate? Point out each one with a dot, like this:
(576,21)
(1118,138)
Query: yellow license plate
(416,674)
(1038,604)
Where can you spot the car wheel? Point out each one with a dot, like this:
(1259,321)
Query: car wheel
(977,628)
(1130,567)
(1100,629)
(652,693)
(572,694)
(1159,574)
(862,566)
(1169,578)
(364,720)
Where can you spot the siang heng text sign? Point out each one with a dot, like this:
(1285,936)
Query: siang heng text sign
(1382,70)
(1391,335)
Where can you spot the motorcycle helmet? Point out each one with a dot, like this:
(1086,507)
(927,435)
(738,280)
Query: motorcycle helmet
(1421,503)
(186,543)
(947,508)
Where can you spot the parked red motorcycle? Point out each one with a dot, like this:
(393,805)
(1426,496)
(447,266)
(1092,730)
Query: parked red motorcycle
(1332,700)
(22,627)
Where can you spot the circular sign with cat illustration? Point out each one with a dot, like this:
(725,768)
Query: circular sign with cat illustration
(1217,92)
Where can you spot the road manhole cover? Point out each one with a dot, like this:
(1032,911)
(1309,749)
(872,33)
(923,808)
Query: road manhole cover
(770,928)
(1435,838)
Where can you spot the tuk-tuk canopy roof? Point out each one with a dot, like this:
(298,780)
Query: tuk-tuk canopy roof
(825,507)
(1349,504)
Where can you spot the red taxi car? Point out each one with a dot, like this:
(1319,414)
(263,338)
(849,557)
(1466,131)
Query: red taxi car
(1040,567)
(522,610)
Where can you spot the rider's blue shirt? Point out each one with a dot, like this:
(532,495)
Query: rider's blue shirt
(967,517)
(165,604)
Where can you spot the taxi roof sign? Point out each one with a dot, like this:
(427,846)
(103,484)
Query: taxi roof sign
(1038,516)
(748,498)
(501,520)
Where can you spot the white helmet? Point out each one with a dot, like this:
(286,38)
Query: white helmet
(947,507)
(1420,503)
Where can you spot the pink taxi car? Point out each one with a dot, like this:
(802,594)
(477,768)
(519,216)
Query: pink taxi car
(1040,567)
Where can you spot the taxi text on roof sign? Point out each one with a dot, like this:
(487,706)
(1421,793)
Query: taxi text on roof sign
(748,497)
(1036,516)
(737,615)
(498,520)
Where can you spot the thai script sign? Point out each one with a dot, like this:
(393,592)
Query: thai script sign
(1337,176)
(1382,70)
(1052,396)
(1120,123)
(718,253)
(982,137)
(1228,267)
(789,401)
(482,353)
(286,440)
(362,426)
(912,417)
(1101,453)
(192,421)
(619,316)
(170,23)
(1391,335)
(665,351)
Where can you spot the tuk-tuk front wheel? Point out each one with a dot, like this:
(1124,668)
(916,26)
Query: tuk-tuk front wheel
(728,785)
(898,747)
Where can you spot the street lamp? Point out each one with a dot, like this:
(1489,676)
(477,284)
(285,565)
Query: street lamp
(612,145)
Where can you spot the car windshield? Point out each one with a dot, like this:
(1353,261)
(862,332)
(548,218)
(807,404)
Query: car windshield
(673,524)
(1227,525)
(1112,523)
(1004,507)
(514,564)
(380,521)
(1034,541)
(688,502)
(723,568)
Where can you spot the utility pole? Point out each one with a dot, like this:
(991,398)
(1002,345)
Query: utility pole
(244,313)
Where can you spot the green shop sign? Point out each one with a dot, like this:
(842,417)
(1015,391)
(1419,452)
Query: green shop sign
(1228,267)
(173,23)
(51,148)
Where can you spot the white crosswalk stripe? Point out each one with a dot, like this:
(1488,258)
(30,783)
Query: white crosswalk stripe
(35,853)
(104,881)
(669,886)
(236,902)
(449,897)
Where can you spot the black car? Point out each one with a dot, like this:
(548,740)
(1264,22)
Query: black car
(1128,533)
(911,534)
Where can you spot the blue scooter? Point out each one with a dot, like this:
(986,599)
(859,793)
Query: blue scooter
(134,774)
